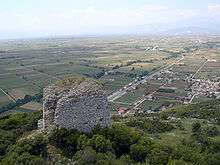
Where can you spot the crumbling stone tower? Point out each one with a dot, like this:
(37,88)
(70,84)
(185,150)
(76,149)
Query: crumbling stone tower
(75,103)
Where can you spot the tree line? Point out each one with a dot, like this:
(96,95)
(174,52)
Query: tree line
(19,102)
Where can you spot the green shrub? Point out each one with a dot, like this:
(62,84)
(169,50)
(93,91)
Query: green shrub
(25,152)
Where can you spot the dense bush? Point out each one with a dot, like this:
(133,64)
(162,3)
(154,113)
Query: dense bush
(66,140)
(7,138)
(20,122)
(121,136)
(212,131)
(138,152)
(12,126)
(197,150)
(122,144)
(166,90)
(100,143)
(206,110)
(142,149)
(25,152)
(89,156)
(150,125)
(196,127)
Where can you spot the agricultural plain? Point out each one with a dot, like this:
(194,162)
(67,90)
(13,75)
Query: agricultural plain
(182,67)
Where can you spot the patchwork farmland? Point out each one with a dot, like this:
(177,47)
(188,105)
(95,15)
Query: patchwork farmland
(177,68)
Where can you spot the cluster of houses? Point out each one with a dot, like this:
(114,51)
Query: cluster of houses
(193,88)
(205,87)
(196,87)
(124,112)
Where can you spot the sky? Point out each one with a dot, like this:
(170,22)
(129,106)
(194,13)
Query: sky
(41,18)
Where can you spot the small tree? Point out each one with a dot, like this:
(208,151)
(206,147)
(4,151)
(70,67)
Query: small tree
(100,143)
(82,142)
(138,152)
(212,131)
(196,127)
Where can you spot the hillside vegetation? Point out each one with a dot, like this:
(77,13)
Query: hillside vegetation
(183,136)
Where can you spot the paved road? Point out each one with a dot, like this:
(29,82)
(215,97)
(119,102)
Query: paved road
(192,98)
(200,68)
(144,79)
(139,103)
(9,96)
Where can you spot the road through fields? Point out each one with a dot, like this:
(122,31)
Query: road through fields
(9,96)
(134,84)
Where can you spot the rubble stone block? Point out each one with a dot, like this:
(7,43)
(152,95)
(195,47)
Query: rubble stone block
(75,103)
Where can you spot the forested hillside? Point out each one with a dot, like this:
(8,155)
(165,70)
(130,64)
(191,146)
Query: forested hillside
(182,136)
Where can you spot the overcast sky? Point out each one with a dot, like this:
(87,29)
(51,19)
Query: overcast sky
(38,18)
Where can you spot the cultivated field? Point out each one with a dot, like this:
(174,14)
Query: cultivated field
(27,66)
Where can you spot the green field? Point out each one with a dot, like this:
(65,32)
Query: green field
(27,66)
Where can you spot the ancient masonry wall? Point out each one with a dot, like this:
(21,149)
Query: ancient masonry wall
(84,114)
(73,109)
(49,107)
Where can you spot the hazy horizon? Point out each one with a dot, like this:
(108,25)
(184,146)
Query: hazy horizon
(45,18)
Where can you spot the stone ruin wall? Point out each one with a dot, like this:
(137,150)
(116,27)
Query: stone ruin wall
(64,110)
(49,107)
(84,114)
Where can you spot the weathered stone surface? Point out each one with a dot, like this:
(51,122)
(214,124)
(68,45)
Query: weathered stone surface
(75,103)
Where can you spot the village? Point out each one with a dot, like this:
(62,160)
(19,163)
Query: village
(172,87)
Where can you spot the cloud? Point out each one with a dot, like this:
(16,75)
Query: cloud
(214,9)
(189,13)
(90,19)
(92,16)
(153,7)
